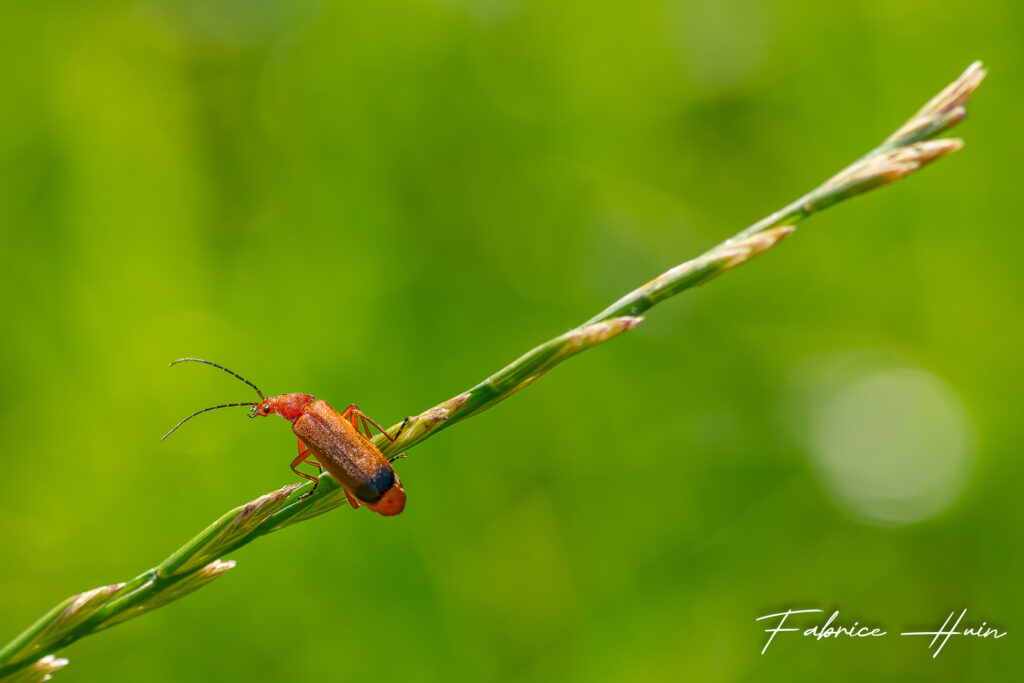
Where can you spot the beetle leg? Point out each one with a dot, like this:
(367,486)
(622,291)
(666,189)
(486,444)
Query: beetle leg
(365,418)
(309,458)
(352,500)
(349,414)
(401,427)
(295,468)
(352,414)
(366,427)
(396,457)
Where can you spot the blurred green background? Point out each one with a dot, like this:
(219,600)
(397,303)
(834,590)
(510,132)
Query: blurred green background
(383,203)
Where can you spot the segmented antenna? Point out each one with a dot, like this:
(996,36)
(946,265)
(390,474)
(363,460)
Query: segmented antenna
(230,372)
(226,405)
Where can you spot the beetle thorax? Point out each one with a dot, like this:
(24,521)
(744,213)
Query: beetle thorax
(288,406)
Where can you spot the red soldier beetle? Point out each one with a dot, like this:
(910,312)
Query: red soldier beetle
(329,440)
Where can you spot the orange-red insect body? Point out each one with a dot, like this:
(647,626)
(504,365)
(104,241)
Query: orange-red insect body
(335,441)
(330,440)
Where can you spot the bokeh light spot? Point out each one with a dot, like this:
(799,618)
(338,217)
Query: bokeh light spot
(892,444)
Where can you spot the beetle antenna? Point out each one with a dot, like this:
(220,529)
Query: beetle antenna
(230,372)
(226,405)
